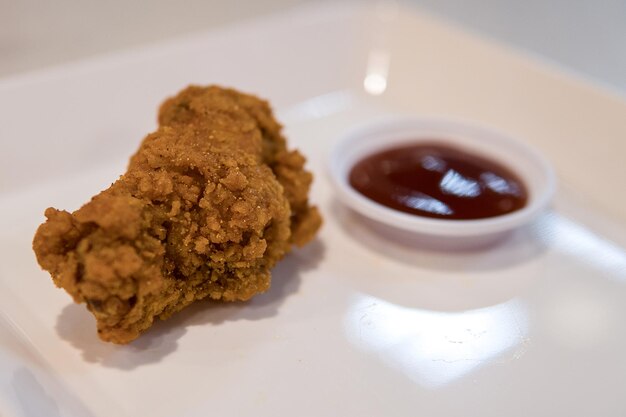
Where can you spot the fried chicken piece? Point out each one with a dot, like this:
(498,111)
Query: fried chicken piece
(209,203)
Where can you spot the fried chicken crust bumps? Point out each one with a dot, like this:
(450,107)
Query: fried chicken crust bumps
(209,203)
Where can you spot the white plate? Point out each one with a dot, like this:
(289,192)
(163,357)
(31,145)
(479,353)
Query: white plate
(354,325)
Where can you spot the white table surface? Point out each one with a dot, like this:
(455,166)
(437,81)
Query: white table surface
(586,37)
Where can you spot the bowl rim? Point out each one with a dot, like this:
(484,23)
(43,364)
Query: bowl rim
(404,130)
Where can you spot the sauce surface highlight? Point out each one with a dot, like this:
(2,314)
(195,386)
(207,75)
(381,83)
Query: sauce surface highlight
(439,181)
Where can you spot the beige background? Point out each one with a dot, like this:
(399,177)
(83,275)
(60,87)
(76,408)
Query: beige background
(588,37)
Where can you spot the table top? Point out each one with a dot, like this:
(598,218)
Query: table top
(36,35)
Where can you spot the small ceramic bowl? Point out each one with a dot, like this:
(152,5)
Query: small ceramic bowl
(531,167)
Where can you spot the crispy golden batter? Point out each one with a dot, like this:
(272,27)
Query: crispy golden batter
(210,202)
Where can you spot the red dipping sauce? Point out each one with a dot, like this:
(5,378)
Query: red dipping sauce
(439,181)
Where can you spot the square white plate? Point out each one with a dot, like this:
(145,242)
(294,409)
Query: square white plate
(354,325)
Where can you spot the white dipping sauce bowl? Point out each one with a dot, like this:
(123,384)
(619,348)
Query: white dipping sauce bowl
(531,167)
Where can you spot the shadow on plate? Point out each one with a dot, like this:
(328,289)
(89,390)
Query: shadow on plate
(410,272)
(503,252)
(76,325)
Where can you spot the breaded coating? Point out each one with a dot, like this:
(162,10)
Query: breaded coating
(209,203)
